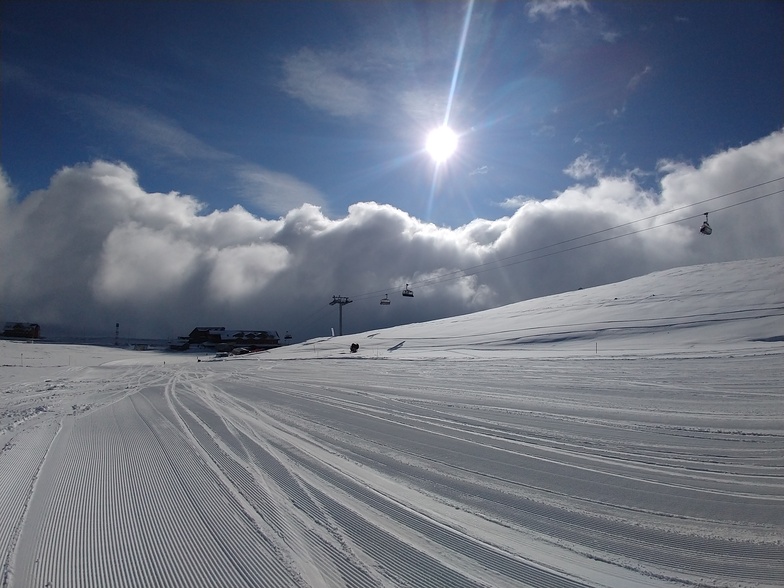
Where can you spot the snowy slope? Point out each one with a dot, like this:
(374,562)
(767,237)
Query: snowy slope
(626,435)
(707,307)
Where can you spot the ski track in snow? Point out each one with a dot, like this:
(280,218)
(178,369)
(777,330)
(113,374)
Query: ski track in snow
(499,450)
(368,473)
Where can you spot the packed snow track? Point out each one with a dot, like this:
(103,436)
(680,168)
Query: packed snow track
(362,473)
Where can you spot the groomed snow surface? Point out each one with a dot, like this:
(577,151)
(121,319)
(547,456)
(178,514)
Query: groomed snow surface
(625,435)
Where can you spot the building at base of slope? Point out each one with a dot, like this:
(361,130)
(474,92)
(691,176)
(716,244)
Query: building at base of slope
(221,339)
(14,330)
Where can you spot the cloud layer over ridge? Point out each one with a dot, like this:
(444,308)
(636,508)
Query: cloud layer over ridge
(94,248)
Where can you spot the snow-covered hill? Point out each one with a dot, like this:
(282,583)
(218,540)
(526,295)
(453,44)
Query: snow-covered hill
(629,435)
(704,308)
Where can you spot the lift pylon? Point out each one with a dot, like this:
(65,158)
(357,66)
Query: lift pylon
(342,301)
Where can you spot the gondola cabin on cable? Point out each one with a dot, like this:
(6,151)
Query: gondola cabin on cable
(706,229)
(408,292)
(385,300)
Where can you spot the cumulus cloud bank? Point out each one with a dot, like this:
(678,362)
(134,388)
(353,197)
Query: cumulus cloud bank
(94,248)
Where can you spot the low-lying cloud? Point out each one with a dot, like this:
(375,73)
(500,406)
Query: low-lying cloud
(95,248)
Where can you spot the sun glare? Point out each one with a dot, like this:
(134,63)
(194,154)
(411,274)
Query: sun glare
(441,143)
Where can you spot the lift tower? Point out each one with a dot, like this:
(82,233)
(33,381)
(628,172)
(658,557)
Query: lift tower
(342,301)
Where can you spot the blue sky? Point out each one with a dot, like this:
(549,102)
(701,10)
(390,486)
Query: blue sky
(276,119)
(335,99)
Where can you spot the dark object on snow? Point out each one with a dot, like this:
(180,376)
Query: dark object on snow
(354,347)
(219,338)
(22,331)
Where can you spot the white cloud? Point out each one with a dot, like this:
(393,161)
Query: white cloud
(276,192)
(638,77)
(141,265)
(164,141)
(157,135)
(238,273)
(322,82)
(389,76)
(6,191)
(518,201)
(550,9)
(95,248)
(610,36)
(584,167)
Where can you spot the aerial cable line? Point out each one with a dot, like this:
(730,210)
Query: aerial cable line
(462,273)
(312,317)
(444,278)
(497,263)
(626,224)
(741,202)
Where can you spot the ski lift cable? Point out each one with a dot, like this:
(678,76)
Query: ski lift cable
(311,319)
(463,271)
(742,202)
(498,263)
(680,220)
(626,224)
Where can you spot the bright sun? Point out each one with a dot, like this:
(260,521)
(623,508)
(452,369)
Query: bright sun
(441,143)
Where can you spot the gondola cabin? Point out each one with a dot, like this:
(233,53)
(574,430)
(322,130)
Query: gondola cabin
(385,300)
(706,229)
(408,292)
